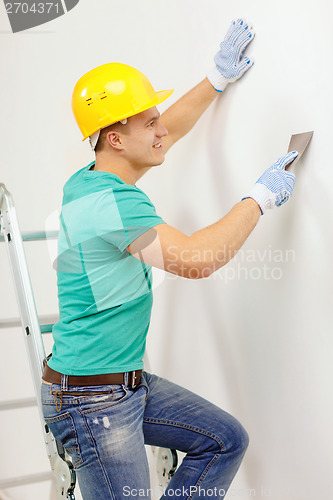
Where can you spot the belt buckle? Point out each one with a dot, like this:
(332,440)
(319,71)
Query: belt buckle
(133,378)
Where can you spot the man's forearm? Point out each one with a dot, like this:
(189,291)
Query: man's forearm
(213,246)
(202,253)
(180,118)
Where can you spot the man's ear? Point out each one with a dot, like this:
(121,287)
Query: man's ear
(114,139)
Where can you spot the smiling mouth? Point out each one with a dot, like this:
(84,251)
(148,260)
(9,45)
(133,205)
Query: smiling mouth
(157,146)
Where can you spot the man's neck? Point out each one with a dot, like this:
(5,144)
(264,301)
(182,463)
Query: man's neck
(123,170)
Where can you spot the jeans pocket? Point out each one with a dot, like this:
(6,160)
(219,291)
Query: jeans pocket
(104,399)
(63,429)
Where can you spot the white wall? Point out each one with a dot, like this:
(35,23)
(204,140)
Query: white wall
(260,329)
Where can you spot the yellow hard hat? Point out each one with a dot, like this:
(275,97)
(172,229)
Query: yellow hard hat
(110,93)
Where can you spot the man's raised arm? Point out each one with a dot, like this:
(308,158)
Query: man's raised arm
(229,66)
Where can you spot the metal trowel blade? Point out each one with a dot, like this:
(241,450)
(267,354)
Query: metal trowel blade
(299,142)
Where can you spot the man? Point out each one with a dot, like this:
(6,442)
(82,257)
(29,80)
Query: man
(97,400)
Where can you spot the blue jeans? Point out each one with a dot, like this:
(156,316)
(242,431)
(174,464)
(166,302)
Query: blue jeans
(104,429)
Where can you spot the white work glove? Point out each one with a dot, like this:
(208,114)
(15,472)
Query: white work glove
(275,186)
(229,63)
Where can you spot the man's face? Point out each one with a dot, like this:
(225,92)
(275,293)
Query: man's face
(143,139)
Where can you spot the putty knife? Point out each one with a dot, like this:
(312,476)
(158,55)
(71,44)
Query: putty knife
(299,142)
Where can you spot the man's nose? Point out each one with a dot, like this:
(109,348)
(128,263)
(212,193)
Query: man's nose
(161,131)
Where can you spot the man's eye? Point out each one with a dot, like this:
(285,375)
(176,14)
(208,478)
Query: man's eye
(151,124)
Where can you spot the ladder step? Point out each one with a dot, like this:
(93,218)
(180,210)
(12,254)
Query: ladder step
(36,236)
(23,480)
(18,403)
(45,323)
(46,328)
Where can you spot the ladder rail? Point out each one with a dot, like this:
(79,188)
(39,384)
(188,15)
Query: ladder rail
(23,289)
(64,474)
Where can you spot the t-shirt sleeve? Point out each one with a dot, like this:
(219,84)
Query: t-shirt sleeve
(123,215)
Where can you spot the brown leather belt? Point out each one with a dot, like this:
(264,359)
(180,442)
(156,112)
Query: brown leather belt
(54,377)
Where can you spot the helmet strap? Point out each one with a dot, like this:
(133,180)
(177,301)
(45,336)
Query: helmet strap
(93,139)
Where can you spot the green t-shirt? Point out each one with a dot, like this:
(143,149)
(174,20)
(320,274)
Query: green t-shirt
(105,295)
